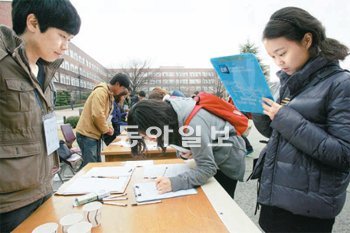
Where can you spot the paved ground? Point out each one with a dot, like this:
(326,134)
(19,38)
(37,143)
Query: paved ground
(245,194)
(66,113)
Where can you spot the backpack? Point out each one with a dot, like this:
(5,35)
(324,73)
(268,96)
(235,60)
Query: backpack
(63,151)
(219,108)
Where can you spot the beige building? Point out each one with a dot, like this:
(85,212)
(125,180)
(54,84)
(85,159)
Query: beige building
(186,80)
(79,72)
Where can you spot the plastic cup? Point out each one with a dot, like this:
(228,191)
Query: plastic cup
(92,213)
(70,220)
(50,227)
(81,227)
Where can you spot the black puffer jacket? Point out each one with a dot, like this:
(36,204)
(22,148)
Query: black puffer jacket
(307,159)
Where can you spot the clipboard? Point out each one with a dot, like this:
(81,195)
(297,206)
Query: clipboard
(244,80)
(145,192)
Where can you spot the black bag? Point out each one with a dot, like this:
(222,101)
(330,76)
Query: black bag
(258,165)
(63,151)
(108,139)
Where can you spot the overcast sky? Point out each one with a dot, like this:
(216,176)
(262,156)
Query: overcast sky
(189,32)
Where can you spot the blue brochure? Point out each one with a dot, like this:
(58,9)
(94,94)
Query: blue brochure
(244,80)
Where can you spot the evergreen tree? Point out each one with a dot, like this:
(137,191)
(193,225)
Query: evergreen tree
(249,47)
(62,98)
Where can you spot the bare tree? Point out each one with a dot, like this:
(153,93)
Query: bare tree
(140,73)
(220,90)
(217,88)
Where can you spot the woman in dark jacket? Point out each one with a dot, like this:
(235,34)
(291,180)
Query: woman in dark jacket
(305,166)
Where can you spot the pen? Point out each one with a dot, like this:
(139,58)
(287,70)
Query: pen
(115,204)
(166,168)
(115,199)
(110,177)
(117,195)
(145,203)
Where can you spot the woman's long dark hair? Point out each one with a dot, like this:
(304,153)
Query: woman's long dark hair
(293,23)
(150,113)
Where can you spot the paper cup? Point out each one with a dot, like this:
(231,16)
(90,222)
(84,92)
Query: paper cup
(70,220)
(81,227)
(50,227)
(92,213)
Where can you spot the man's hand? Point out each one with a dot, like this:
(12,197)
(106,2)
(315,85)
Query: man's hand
(163,185)
(110,131)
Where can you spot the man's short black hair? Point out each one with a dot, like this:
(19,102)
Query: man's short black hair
(121,78)
(59,14)
(142,94)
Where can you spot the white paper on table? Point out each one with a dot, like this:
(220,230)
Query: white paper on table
(83,185)
(169,170)
(121,143)
(148,192)
(109,171)
(138,163)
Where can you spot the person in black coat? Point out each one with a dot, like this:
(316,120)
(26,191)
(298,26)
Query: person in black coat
(304,169)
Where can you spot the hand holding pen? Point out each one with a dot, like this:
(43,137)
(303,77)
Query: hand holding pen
(163,184)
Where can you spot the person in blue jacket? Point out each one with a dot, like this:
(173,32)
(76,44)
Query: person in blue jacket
(305,165)
(118,114)
(118,118)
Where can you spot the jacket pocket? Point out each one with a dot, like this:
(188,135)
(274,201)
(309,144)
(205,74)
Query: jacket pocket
(18,95)
(20,166)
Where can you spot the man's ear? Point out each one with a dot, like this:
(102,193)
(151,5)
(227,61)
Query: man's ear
(32,23)
(307,40)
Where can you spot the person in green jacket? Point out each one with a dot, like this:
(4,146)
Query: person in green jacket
(29,57)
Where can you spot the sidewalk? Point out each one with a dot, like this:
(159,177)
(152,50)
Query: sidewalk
(67,113)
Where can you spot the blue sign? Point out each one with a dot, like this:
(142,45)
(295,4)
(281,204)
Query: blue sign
(244,80)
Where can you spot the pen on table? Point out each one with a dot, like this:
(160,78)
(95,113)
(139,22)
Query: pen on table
(110,177)
(145,203)
(118,195)
(115,203)
(115,199)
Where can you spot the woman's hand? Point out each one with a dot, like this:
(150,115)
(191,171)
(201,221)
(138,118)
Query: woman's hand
(186,155)
(270,107)
(163,185)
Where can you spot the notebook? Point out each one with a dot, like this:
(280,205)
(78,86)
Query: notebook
(244,80)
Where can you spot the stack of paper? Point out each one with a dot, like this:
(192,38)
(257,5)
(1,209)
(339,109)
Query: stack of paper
(109,179)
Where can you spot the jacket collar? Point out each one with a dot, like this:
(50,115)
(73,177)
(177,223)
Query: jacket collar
(11,44)
(303,77)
